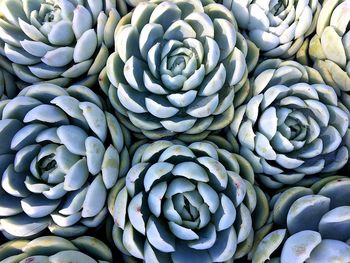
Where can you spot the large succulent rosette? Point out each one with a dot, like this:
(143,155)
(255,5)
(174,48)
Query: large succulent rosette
(278,27)
(55,249)
(58,40)
(290,130)
(179,202)
(176,68)
(60,153)
(330,47)
(314,224)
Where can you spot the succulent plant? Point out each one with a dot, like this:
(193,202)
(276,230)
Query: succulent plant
(330,47)
(291,129)
(60,153)
(58,41)
(314,224)
(179,201)
(176,68)
(55,249)
(279,28)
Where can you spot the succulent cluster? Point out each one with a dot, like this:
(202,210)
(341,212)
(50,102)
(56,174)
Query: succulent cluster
(314,224)
(60,152)
(176,68)
(174,131)
(180,200)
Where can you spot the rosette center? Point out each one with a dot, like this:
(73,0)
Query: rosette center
(52,13)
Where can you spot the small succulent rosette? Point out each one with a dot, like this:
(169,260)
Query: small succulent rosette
(55,249)
(314,224)
(176,68)
(330,47)
(58,41)
(60,153)
(182,201)
(279,28)
(292,129)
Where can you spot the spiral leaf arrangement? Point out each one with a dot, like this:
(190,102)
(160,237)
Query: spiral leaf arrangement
(291,131)
(279,28)
(59,148)
(179,201)
(176,68)
(58,41)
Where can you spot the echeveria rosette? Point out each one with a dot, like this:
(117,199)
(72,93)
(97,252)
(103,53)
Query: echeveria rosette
(313,224)
(279,28)
(179,201)
(330,47)
(58,41)
(60,154)
(291,131)
(176,68)
(55,249)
